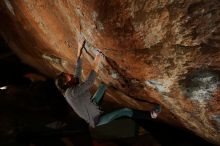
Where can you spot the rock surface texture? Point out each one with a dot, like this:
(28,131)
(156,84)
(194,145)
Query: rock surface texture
(162,51)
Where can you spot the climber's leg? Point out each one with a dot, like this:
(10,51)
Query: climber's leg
(106,118)
(97,97)
(127,112)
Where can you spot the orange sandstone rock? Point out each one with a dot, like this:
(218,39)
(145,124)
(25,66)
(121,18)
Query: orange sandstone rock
(160,51)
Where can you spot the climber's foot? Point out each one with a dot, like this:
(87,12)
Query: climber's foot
(154,113)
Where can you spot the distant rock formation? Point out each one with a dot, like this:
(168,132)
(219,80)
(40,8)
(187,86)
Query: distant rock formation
(159,51)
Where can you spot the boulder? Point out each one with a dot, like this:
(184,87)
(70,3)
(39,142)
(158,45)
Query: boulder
(164,51)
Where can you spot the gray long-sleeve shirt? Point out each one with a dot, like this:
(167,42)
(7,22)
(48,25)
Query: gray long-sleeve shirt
(79,96)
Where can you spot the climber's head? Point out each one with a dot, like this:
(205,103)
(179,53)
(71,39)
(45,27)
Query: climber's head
(65,80)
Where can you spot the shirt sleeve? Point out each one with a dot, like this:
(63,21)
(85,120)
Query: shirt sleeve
(78,69)
(87,84)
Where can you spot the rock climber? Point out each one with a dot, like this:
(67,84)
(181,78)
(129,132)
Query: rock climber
(78,96)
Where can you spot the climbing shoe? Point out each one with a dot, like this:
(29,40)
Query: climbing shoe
(157,108)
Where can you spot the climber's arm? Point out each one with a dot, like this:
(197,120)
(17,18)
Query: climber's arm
(78,69)
(91,78)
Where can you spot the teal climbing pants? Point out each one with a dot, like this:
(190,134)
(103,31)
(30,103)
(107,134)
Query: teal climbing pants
(124,112)
(106,118)
(97,97)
